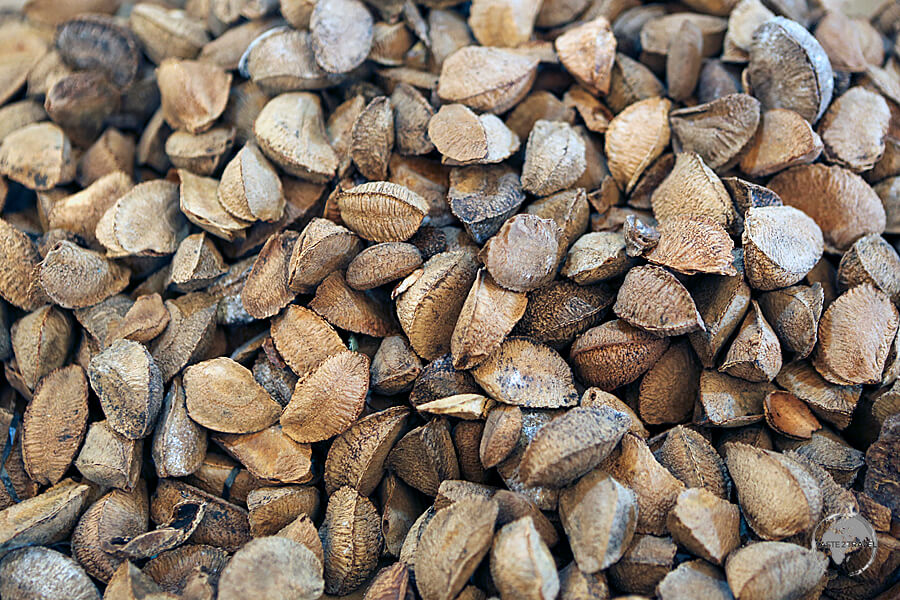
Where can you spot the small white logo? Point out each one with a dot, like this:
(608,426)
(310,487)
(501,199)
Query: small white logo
(842,534)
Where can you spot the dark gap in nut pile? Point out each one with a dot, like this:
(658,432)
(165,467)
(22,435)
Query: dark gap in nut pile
(443,300)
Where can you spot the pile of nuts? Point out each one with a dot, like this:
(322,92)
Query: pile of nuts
(515,299)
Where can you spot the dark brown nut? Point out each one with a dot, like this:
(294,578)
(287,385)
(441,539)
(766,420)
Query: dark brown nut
(222,396)
(599,515)
(635,138)
(705,524)
(97,42)
(571,445)
(351,552)
(394,367)
(670,312)
(484,197)
(692,459)
(559,311)
(54,424)
(750,569)
(832,403)
(729,401)
(794,314)
(789,69)
(452,545)
(350,309)
(668,390)
(615,353)
(40,342)
(772,151)
(777,496)
(372,138)
(381,264)
(487,79)
(644,564)
(275,567)
(39,572)
(224,524)
(130,387)
(319,408)
(304,339)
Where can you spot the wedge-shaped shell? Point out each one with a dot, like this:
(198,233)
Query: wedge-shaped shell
(452,545)
(644,565)
(327,401)
(267,288)
(830,402)
(486,318)
(760,570)
(693,245)
(282,60)
(54,424)
(19,257)
(503,23)
(110,459)
(145,221)
(695,578)
(303,531)
(790,416)
(669,389)
(755,352)
(588,52)
(275,508)
(381,211)
(692,459)
(349,309)
(196,263)
(75,277)
(500,435)
(165,33)
(425,456)
(412,112)
(657,34)
(179,444)
(273,567)
(200,205)
(356,457)
(635,138)
(599,516)
(40,342)
(773,150)
(222,396)
(192,321)
(854,127)
(559,311)
(390,582)
(224,524)
(193,93)
(80,212)
(484,197)
(44,519)
(571,445)
(381,264)
(323,247)
(778,497)
(202,153)
(692,189)
(794,314)
(744,19)
(394,367)
(615,353)
(290,130)
(128,582)
(717,131)
(855,336)
(521,563)
(652,299)
(250,188)
(554,158)
(174,570)
(781,245)
(270,454)
(840,202)
(372,138)
(871,260)
(98,42)
(463,138)
(40,572)
(789,69)
(486,79)
(341,34)
(729,401)
(113,151)
(522,256)
(186,517)
(430,302)
(656,488)
(304,339)
(525,373)
(39,156)
(130,387)
(705,524)
(352,540)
